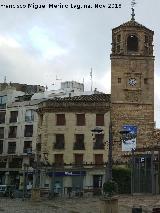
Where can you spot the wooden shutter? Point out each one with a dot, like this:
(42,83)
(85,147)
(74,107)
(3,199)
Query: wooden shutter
(61,119)
(80,119)
(98,159)
(99,119)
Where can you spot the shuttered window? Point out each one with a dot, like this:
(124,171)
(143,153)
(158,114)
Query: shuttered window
(60,119)
(78,159)
(99,119)
(80,119)
(98,159)
(1,132)
(58,158)
(12,132)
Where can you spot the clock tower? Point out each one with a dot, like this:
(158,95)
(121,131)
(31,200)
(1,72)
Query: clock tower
(132,82)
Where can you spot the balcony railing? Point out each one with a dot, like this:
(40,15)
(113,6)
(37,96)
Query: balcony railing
(59,145)
(59,164)
(12,135)
(2,120)
(2,106)
(27,150)
(1,136)
(98,145)
(78,164)
(79,146)
(13,120)
(28,134)
(29,118)
(11,151)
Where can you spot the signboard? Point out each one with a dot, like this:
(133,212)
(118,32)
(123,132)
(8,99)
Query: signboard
(129,137)
(68,173)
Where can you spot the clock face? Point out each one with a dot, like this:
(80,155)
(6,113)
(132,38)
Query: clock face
(132,81)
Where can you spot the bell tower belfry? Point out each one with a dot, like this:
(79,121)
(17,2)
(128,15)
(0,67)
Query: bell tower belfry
(132,82)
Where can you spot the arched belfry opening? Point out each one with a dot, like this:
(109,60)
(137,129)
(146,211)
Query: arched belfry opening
(132,43)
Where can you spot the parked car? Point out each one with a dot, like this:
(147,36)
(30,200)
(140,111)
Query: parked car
(7,190)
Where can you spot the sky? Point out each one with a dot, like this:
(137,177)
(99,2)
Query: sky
(41,45)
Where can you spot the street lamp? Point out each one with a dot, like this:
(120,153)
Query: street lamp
(108,172)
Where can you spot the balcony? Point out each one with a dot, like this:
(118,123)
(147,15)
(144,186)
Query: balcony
(29,118)
(12,150)
(78,164)
(98,145)
(59,145)
(13,120)
(2,106)
(12,135)
(1,135)
(27,150)
(79,146)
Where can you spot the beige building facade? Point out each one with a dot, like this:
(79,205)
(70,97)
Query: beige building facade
(70,140)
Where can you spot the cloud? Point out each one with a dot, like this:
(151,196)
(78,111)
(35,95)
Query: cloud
(48,47)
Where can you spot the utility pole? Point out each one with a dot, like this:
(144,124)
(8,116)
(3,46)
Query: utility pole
(108,175)
(52,181)
(24,180)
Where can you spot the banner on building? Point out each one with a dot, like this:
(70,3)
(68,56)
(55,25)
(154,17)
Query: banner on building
(129,137)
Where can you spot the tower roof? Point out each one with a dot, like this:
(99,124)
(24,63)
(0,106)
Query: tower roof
(132,23)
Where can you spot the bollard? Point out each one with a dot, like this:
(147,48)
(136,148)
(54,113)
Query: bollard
(109,205)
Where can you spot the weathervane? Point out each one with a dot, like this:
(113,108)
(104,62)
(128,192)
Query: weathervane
(133,2)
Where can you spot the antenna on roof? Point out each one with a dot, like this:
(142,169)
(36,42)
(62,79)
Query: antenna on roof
(91,79)
(83,84)
(133,2)
(5,79)
(58,79)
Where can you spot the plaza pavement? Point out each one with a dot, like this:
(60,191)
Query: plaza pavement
(77,205)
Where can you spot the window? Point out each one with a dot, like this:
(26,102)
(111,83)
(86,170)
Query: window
(29,116)
(28,132)
(13,116)
(119,80)
(80,119)
(3,100)
(58,159)
(2,117)
(118,38)
(60,119)
(99,144)
(99,119)
(11,147)
(27,147)
(145,80)
(98,159)
(132,43)
(12,132)
(118,48)
(78,159)
(1,146)
(1,132)
(38,147)
(59,141)
(79,144)
(146,39)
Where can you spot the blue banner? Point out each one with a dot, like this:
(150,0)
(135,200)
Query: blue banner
(129,136)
